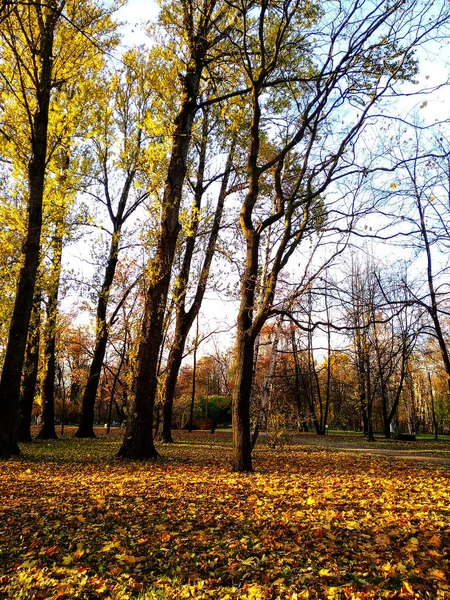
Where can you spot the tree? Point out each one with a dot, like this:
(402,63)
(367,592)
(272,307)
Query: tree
(37,26)
(35,40)
(200,28)
(422,192)
(184,317)
(125,158)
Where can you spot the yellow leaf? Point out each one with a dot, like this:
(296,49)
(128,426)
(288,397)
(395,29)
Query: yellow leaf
(310,501)
(408,587)
(438,574)
(393,186)
(325,573)
(80,518)
(109,546)
(67,560)
(129,559)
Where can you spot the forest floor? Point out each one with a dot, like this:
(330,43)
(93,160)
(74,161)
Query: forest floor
(311,522)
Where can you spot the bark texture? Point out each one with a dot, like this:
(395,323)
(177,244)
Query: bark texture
(30,374)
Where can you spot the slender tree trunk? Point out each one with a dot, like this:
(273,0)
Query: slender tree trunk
(185,319)
(116,379)
(194,382)
(63,398)
(30,373)
(47,430)
(433,309)
(223,413)
(246,334)
(433,411)
(86,426)
(173,366)
(241,399)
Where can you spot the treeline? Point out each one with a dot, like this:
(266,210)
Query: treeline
(256,141)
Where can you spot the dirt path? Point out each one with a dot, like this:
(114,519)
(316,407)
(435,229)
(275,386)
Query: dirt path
(403,455)
(418,455)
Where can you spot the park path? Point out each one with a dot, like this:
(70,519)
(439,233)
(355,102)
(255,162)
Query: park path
(403,455)
(397,454)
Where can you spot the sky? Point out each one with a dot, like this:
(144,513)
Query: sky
(136,13)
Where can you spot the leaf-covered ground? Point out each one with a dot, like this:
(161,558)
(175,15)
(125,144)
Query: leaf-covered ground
(77,523)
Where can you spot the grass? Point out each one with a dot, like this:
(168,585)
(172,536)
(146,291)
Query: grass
(78,523)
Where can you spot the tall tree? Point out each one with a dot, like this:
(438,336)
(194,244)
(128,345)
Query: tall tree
(200,25)
(185,316)
(35,41)
(36,25)
(127,163)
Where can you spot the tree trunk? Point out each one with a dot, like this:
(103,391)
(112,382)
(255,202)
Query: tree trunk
(23,304)
(194,381)
(116,379)
(433,412)
(433,309)
(242,460)
(223,413)
(47,430)
(30,373)
(185,319)
(86,426)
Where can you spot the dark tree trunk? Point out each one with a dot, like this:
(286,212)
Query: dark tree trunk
(23,304)
(185,319)
(87,417)
(246,329)
(223,413)
(173,367)
(433,411)
(194,381)
(242,460)
(116,379)
(86,426)
(30,374)
(433,309)
(47,430)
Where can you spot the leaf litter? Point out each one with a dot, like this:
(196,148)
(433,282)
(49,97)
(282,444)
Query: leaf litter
(75,522)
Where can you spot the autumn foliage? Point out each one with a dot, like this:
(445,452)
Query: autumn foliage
(313,522)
